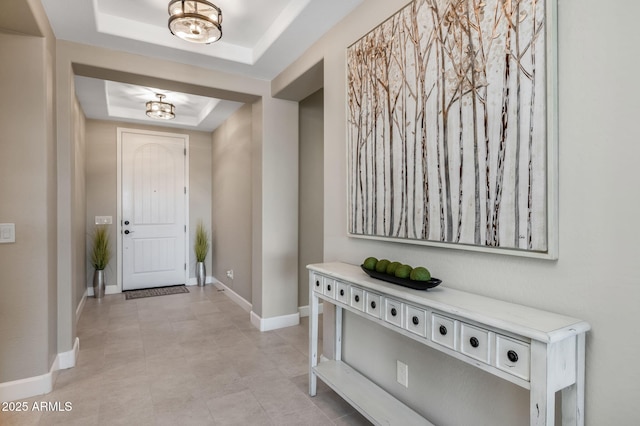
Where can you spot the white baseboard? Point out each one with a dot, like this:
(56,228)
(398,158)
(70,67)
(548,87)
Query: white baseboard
(261,324)
(304,310)
(80,307)
(26,388)
(256,321)
(244,304)
(109,289)
(274,323)
(68,359)
(194,280)
(39,385)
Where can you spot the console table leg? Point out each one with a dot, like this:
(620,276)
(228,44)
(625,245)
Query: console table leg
(313,341)
(573,396)
(313,383)
(542,408)
(338,337)
(542,397)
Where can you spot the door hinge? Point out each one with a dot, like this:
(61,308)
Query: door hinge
(185,152)
(185,189)
(185,228)
(185,266)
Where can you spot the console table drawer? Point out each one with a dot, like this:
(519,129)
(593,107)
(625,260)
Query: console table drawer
(416,321)
(318,286)
(443,331)
(329,288)
(373,304)
(393,312)
(357,298)
(476,342)
(513,356)
(342,292)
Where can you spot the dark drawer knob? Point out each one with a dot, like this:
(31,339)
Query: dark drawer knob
(474,342)
(415,320)
(513,356)
(341,292)
(394,312)
(329,287)
(443,330)
(373,305)
(357,298)
(127,232)
(317,283)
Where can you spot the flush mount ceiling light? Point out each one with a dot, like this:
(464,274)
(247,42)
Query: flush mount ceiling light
(161,110)
(197,21)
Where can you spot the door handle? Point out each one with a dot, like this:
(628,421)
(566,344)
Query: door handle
(127,232)
(126,222)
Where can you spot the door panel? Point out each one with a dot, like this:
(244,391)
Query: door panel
(153,210)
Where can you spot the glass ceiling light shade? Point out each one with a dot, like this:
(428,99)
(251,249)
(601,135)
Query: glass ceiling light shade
(161,110)
(197,21)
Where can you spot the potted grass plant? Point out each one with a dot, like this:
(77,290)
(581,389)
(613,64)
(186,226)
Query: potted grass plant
(100,256)
(201,248)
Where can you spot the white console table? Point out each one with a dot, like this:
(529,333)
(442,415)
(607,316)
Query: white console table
(537,350)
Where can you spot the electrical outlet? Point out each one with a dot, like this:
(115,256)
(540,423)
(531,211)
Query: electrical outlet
(7,232)
(402,373)
(230,273)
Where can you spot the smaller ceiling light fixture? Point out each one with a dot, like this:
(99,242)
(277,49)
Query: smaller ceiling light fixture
(161,110)
(197,21)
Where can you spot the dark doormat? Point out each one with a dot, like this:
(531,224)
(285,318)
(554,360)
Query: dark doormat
(159,291)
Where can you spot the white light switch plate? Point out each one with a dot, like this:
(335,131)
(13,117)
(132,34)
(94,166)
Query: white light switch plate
(7,233)
(104,220)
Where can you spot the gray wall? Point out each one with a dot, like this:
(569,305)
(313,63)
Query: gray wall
(101,178)
(28,299)
(80,207)
(231,201)
(595,278)
(278,224)
(310,226)
(101,195)
(256,207)
(200,165)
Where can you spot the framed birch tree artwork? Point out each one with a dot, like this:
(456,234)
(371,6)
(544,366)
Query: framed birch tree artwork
(452,127)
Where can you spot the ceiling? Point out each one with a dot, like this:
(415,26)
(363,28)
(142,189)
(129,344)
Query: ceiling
(260,38)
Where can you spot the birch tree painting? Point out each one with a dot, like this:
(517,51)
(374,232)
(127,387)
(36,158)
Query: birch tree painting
(447,131)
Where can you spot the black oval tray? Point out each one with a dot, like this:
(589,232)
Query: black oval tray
(405,282)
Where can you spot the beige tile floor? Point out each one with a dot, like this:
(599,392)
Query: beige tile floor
(187,359)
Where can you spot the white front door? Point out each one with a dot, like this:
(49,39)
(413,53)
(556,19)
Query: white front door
(154,203)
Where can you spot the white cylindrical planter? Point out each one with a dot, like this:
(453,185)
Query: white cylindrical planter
(98,283)
(201,274)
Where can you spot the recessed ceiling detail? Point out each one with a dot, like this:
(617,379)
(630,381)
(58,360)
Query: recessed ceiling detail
(261,38)
(110,100)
